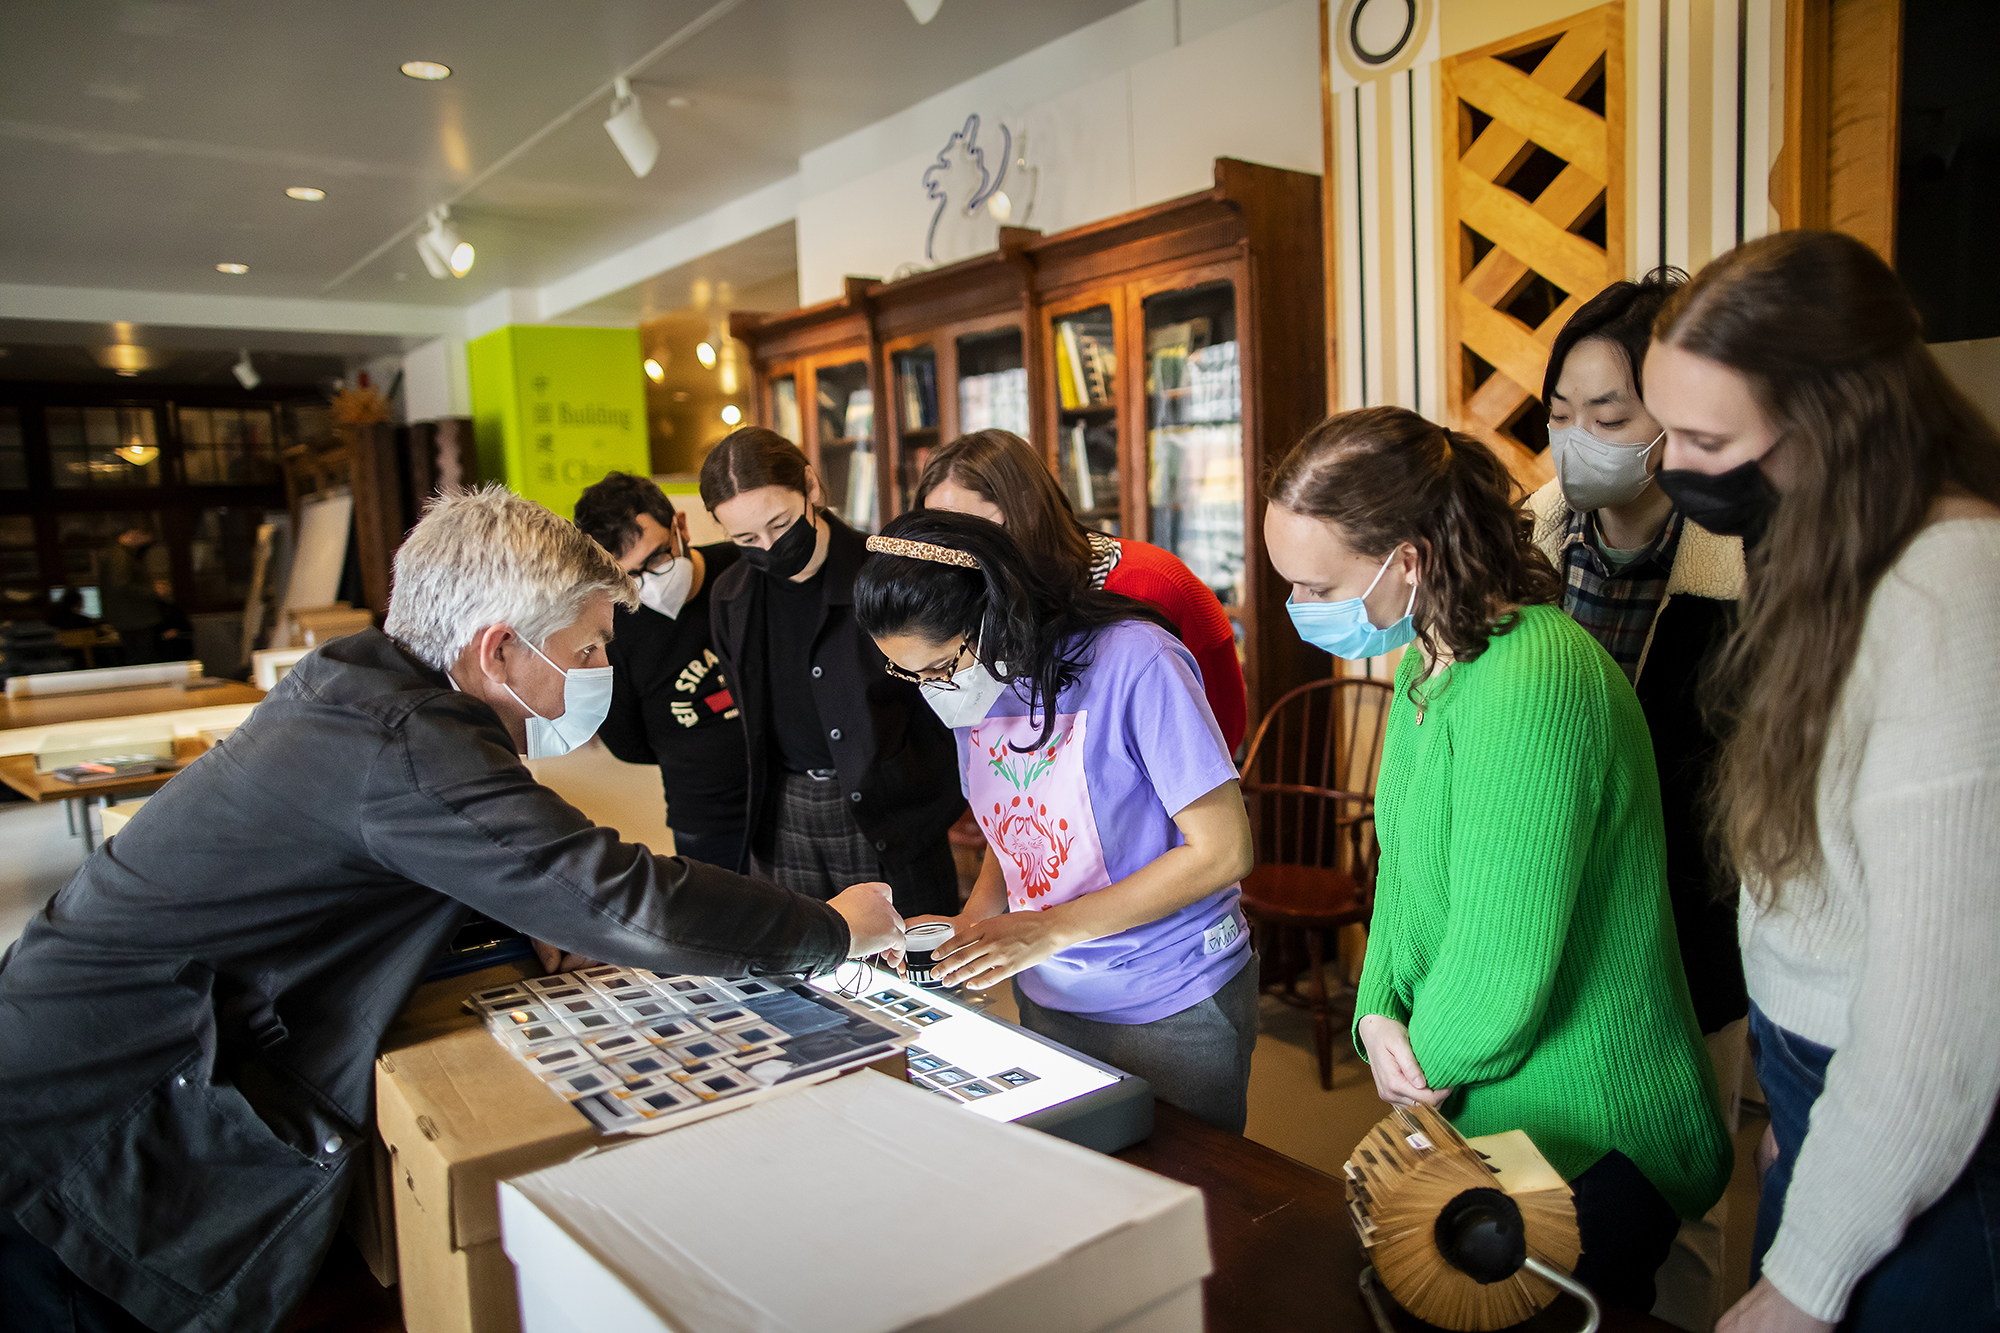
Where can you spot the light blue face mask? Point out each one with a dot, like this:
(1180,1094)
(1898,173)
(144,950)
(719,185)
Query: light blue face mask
(586,700)
(1344,629)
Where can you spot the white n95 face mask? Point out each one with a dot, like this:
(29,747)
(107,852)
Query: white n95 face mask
(964,700)
(1599,474)
(667,590)
(586,699)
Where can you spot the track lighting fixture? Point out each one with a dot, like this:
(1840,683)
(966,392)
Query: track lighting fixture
(629,130)
(444,254)
(246,374)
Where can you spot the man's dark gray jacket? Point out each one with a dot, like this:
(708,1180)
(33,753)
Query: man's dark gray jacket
(187,1032)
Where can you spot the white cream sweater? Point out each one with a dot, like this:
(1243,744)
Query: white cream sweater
(1890,952)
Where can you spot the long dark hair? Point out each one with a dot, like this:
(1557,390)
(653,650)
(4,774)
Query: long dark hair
(1384,476)
(1621,315)
(1831,346)
(1004,469)
(1040,628)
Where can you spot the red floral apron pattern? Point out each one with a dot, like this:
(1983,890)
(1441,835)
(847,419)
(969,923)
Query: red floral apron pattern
(1035,809)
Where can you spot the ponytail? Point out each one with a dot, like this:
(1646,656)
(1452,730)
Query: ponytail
(1040,628)
(1384,476)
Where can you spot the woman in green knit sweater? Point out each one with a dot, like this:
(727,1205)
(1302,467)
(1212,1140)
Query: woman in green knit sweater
(1522,970)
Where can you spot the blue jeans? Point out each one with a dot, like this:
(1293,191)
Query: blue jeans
(1945,1272)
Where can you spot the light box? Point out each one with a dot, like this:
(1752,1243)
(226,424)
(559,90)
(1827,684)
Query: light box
(1000,1070)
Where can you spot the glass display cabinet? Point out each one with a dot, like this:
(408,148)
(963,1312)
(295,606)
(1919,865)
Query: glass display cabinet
(1143,356)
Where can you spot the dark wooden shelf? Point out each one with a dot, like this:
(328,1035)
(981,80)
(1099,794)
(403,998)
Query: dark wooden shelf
(1254,239)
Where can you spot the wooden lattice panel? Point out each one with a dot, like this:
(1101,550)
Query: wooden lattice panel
(1534,215)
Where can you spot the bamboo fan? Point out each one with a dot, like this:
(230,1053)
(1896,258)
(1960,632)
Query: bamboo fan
(1469,1235)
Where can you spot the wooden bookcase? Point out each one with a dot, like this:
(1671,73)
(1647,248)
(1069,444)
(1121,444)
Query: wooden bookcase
(1202,321)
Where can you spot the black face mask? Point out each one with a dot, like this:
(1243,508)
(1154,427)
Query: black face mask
(1736,503)
(785,557)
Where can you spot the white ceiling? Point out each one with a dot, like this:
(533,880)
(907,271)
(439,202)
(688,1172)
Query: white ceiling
(143,142)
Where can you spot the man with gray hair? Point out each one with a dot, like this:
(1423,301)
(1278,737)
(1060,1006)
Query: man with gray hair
(190,1026)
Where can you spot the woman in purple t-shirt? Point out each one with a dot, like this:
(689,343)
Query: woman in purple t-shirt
(1090,758)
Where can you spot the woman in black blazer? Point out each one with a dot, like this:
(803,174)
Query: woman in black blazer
(852,776)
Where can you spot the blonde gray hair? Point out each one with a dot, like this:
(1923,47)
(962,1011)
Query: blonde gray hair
(488,557)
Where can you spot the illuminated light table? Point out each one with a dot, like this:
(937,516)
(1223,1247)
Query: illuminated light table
(1000,1070)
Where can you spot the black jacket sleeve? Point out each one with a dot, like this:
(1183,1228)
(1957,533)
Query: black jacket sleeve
(451,807)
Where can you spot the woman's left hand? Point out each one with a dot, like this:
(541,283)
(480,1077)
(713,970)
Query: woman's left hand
(988,952)
(1765,1310)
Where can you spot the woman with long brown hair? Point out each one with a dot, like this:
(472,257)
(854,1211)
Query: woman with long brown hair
(996,475)
(1858,793)
(1521,969)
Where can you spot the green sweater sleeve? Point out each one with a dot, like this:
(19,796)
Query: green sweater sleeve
(1377,992)
(1527,775)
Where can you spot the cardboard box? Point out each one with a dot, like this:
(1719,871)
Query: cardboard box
(858,1206)
(457,1114)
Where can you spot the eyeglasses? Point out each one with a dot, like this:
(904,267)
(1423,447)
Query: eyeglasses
(659,560)
(946,682)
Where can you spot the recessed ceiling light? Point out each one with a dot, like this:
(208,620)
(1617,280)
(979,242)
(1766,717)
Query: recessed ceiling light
(705,353)
(655,371)
(731,414)
(232,268)
(426,69)
(679,103)
(307,193)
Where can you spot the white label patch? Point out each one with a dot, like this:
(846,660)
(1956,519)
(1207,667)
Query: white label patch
(1217,938)
(1419,1142)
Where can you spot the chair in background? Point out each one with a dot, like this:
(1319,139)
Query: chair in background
(1309,783)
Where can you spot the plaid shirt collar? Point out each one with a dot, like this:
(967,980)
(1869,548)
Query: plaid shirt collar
(1617,606)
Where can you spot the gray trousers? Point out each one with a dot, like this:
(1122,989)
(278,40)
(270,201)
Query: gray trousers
(1197,1059)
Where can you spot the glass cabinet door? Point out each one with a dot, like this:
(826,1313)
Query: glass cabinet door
(845,436)
(103,446)
(785,408)
(916,418)
(1086,357)
(992,383)
(1194,434)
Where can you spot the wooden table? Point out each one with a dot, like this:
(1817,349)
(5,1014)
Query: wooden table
(47,710)
(1286,1257)
(18,771)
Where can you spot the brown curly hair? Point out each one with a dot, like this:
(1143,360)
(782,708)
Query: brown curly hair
(1385,476)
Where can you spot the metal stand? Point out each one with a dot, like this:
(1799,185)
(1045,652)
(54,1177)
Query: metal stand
(1594,1315)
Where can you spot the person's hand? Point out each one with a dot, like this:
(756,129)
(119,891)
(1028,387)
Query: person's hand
(872,924)
(985,953)
(1765,1310)
(554,960)
(1767,1151)
(1399,1080)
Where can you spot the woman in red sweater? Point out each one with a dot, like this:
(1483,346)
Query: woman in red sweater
(996,475)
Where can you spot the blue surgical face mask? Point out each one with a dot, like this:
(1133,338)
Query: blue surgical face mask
(1344,629)
(586,699)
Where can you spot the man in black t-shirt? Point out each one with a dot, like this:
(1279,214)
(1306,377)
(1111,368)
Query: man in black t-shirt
(670,704)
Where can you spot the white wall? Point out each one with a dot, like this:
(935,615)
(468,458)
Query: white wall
(435,382)
(1130,111)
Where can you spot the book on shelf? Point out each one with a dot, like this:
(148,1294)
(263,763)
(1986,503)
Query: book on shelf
(861,490)
(785,413)
(1068,383)
(859,422)
(997,400)
(1086,361)
(917,380)
(1079,470)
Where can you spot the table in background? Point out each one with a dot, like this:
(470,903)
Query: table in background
(1286,1256)
(18,771)
(49,710)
